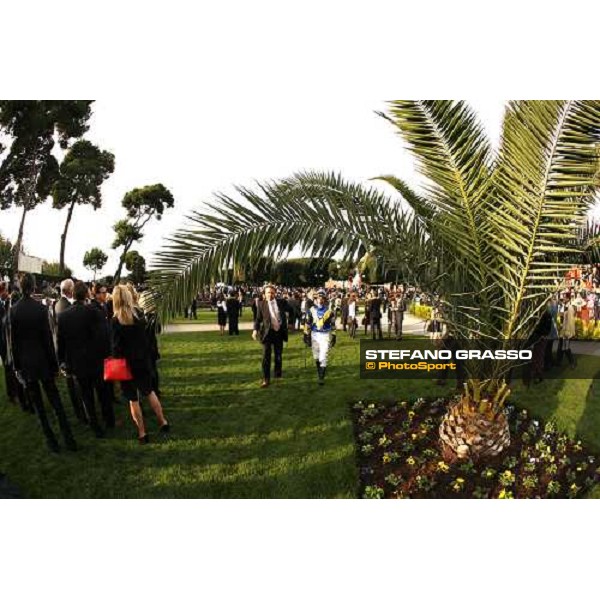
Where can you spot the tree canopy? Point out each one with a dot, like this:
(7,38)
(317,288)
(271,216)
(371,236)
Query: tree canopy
(142,205)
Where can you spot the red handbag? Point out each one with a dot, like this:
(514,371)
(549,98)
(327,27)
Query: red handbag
(116,369)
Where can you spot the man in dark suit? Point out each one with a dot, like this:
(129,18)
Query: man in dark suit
(104,307)
(375,315)
(401,309)
(62,305)
(4,307)
(66,298)
(305,305)
(35,360)
(79,355)
(101,301)
(344,311)
(271,326)
(234,310)
(14,390)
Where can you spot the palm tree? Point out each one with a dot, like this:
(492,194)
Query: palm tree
(501,223)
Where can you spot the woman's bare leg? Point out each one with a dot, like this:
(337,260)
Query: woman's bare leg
(157,408)
(138,419)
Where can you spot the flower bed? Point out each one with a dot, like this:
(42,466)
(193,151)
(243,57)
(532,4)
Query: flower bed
(399,457)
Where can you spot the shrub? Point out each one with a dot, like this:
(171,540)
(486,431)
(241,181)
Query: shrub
(420,310)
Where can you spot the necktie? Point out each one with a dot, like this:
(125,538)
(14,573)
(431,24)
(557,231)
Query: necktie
(274,315)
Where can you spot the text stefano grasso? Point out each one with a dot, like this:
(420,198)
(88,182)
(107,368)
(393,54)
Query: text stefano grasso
(376,354)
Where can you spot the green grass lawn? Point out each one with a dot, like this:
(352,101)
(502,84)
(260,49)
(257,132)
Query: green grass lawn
(232,439)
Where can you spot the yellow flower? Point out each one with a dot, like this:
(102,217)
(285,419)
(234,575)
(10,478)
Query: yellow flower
(442,466)
(410,460)
(411,413)
(458,484)
(386,458)
(414,436)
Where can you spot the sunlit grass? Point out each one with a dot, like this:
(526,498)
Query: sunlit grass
(232,439)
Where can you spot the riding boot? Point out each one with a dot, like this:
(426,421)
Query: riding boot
(322,376)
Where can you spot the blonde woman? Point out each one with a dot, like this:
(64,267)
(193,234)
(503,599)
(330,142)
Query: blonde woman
(130,342)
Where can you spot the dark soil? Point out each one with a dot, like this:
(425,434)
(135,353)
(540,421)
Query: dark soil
(399,456)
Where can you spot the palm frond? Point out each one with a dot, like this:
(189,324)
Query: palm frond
(546,179)
(420,205)
(453,152)
(317,214)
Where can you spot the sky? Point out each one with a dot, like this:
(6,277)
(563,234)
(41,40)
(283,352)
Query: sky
(199,145)
(203,96)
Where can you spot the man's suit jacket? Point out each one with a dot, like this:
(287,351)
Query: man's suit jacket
(104,342)
(233,308)
(32,344)
(80,330)
(374,305)
(3,341)
(262,323)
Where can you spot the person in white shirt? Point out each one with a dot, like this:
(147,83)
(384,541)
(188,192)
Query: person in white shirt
(352,314)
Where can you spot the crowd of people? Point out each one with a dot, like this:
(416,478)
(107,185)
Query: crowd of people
(72,336)
(368,306)
(70,331)
(276,312)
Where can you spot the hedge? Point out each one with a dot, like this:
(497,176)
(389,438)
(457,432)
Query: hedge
(420,310)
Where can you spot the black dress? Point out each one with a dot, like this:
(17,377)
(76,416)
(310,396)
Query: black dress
(131,342)
(221,314)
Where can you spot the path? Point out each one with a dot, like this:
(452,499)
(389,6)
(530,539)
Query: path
(412,325)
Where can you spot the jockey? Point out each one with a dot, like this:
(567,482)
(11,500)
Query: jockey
(319,332)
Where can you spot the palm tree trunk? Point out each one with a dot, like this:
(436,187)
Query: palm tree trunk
(63,238)
(476,426)
(19,242)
